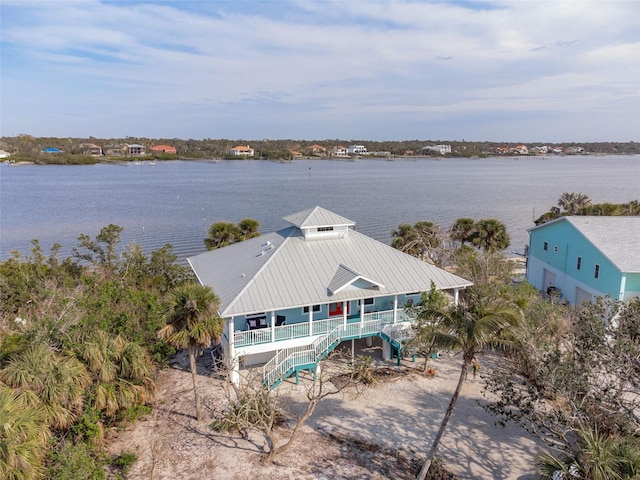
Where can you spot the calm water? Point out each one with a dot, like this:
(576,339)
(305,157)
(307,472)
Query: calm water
(175,202)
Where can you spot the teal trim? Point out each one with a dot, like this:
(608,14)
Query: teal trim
(294,368)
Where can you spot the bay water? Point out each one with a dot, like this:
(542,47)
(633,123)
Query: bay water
(175,202)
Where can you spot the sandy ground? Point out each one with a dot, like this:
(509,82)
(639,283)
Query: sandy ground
(382,432)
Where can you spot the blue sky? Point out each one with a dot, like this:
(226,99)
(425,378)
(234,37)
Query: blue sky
(530,71)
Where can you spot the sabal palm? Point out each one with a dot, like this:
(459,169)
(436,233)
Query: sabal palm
(491,235)
(58,382)
(462,230)
(416,240)
(248,228)
(404,239)
(192,322)
(23,436)
(222,234)
(482,326)
(572,202)
(122,372)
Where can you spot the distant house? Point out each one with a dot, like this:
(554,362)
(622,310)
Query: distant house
(357,150)
(521,150)
(339,151)
(585,256)
(295,153)
(573,150)
(91,149)
(134,149)
(114,150)
(242,151)
(316,150)
(164,149)
(441,149)
(4,154)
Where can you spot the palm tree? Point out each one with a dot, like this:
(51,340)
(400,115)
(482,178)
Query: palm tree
(418,240)
(122,372)
(193,323)
(572,202)
(471,330)
(491,235)
(462,230)
(404,239)
(248,228)
(23,436)
(221,234)
(58,382)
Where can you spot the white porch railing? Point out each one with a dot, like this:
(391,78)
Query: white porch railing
(320,327)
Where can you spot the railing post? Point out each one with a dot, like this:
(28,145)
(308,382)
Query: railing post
(310,320)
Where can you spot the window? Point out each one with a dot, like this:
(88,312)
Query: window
(316,308)
(579,263)
(545,246)
(367,301)
(325,229)
(596,272)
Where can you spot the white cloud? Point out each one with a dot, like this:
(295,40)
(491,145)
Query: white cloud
(216,68)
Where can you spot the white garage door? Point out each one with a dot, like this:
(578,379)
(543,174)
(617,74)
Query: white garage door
(582,296)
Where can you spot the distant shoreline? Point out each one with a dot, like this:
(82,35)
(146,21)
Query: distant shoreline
(125,161)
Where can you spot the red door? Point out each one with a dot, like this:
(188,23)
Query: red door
(336,309)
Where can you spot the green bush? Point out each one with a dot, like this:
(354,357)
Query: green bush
(124,462)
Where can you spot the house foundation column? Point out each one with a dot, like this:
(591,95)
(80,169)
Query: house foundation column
(231,360)
(456,296)
(386,350)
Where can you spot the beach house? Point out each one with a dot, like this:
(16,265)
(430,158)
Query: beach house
(291,296)
(581,257)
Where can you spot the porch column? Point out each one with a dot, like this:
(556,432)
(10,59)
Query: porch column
(395,308)
(456,295)
(361,313)
(344,314)
(273,326)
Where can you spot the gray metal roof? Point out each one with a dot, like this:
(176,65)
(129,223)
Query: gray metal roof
(317,217)
(281,270)
(618,238)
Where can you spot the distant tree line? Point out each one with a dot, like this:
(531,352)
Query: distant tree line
(28,148)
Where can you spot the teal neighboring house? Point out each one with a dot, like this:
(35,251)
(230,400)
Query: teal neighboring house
(290,297)
(585,257)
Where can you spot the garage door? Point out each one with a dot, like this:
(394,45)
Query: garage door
(582,296)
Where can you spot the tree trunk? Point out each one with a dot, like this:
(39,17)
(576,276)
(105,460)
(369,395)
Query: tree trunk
(277,450)
(434,447)
(194,375)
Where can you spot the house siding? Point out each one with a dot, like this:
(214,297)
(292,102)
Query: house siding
(565,245)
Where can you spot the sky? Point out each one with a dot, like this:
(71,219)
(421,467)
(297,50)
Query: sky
(511,71)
